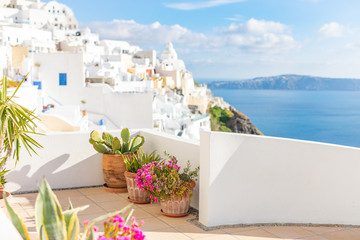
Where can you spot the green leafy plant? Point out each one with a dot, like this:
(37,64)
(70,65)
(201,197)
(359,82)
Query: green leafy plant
(163,180)
(53,223)
(133,164)
(219,118)
(108,144)
(16,123)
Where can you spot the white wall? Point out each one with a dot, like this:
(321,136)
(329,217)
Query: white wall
(67,160)
(182,149)
(255,179)
(131,110)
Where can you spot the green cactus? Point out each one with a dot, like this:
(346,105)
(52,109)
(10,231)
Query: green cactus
(136,143)
(116,145)
(108,138)
(108,144)
(95,135)
(100,148)
(125,135)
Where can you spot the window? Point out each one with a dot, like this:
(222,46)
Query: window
(62,79)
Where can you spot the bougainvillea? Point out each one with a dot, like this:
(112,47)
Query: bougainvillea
(163,180)
(116,229)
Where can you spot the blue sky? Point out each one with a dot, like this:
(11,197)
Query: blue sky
(236,39)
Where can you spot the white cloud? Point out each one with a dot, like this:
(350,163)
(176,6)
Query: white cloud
(260,35)
(253,35)
(155,33)
(332,29)
(199,5)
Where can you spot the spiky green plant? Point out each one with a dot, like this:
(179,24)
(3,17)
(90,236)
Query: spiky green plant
(16,123)
(133,164)
(108,144)
(53,223)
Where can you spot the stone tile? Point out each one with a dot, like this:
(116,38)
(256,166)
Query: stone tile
(140,214)
(321,230)
(217,237)
(152,224)
(23,199)
(165,234)
(254,234)
(154,209)
(315,238)
(342,235)
(104,197)
(92,209)
(176,221)
(195,232)
(123,195)
(91,191)
(239,229)
(67,193)
(289,232)
(115,205)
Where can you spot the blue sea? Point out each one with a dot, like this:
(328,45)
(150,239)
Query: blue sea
(322,116)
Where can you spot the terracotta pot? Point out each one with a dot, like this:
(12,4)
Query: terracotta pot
(2,201)
(113,171)
(136,195)
(176,206)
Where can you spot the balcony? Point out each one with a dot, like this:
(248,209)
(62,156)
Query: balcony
(250,187)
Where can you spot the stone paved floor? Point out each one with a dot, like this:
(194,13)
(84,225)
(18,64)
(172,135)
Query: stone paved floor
(158,227)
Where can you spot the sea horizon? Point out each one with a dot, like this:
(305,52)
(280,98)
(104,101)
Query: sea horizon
(320,116)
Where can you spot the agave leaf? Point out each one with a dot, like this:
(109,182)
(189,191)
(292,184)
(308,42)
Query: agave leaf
(125,135)
(91,235)
(91,141)
(72,222)
(116,145)
(19,225)
(52,217)
(95,135)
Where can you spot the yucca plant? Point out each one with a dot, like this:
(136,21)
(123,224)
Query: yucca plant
(16,123)
(54,224)
(133,164)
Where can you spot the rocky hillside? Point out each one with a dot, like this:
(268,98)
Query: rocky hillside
(290,82)
(230,120)
(240,123)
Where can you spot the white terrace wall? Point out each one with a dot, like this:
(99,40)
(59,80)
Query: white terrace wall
(248,179)
(68,160)
(182,149)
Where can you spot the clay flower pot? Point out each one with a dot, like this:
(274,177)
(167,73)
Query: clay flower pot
(2,200)
(177,206)
(113,171)
(136,195)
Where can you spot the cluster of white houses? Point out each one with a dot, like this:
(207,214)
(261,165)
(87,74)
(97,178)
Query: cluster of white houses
(71,70)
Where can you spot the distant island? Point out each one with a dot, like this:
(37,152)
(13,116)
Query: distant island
(290,82)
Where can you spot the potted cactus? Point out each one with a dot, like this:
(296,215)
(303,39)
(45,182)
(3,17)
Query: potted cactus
(114,150)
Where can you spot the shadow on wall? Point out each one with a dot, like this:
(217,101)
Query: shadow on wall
(77,175)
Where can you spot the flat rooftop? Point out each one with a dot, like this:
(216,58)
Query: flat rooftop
(158,227)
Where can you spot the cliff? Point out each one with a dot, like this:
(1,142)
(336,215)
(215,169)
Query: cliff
(225,118)
(239,123)
(291,82)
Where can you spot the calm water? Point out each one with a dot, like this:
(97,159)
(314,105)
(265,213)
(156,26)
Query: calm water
(323,116)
